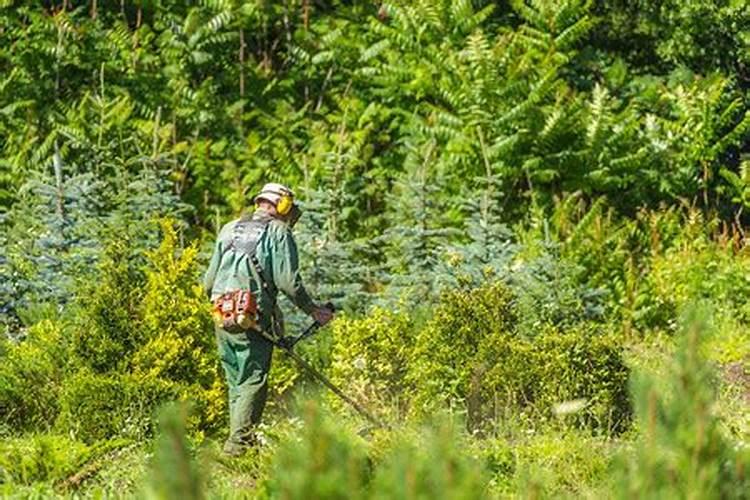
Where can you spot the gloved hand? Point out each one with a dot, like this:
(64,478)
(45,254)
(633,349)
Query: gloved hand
(323,314)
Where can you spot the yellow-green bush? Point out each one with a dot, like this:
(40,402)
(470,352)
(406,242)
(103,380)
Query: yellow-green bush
(470,355)
(31,375)
(105,319)
(167,352)
(97,406)
(40,458)
(139,336)
(178,342)
(371,356)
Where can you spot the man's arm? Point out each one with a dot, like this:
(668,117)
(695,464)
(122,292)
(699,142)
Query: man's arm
(286,276)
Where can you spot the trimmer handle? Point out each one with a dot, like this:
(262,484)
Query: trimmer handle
(289,342)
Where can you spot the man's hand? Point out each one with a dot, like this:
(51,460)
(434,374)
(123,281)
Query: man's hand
(322,314)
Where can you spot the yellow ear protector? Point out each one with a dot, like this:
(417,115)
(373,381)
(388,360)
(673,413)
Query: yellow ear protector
(284,205)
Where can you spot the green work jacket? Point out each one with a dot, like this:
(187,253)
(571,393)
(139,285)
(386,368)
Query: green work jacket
(276,252)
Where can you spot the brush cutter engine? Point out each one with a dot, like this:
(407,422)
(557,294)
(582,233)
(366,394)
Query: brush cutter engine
(236,311)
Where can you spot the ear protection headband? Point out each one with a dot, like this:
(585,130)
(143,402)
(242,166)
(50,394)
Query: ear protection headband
(284,198)
(284,205)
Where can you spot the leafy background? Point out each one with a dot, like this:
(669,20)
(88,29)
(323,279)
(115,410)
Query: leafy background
(531,214)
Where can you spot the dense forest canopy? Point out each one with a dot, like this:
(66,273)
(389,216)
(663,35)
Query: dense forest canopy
(384,116)
(639,102)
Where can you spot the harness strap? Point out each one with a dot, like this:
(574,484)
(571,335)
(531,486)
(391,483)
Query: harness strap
(265,283)
(244,241)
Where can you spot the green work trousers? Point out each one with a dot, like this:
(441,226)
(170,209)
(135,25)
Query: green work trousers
(246,359)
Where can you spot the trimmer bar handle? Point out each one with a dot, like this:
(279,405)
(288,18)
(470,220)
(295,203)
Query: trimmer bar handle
(329,305)
(289,342)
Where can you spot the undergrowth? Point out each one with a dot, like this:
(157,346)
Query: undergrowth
(479,404)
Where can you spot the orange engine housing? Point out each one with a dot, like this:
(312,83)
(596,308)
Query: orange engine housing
(236,310)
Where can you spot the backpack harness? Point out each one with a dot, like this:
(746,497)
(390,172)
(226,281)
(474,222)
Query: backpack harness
(236,311)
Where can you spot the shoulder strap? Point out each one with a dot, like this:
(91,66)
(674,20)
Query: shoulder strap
(246,235)
(267,284)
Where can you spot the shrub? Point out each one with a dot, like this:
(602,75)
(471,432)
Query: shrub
(106,327)
(177,340)
(31,373)
(682,451)
(432,466)
(445,367)
(40,458)
(142,335)
(470,355)
(139,337)
(326,462)
(371,356)
(98,406)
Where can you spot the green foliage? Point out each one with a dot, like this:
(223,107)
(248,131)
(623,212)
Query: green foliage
(94,407)
(327,461)
(434,465)
(470,355)
(31,377)
(682,450)
(41,458)
(140,335)
(371,357)
(174,472)
(704,35)
(158,341)
(547,182)
(215,97)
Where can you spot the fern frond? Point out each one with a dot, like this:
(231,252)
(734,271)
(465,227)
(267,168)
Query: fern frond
(374,50)
(737,134)
(599,118)
(573,34)
(528,14)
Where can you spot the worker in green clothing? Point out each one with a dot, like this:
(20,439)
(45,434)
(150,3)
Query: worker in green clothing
(256,252)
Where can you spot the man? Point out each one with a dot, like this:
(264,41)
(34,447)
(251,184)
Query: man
(256,252)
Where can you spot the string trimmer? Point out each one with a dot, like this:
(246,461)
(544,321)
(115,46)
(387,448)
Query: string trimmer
(287,345)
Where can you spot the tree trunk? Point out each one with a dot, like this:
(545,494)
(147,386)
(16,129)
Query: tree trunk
(242,63)
(59,187)
(155,137)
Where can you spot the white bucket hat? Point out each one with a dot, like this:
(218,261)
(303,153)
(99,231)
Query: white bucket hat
(272,192)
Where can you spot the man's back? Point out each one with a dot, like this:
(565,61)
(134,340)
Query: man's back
(271,242)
